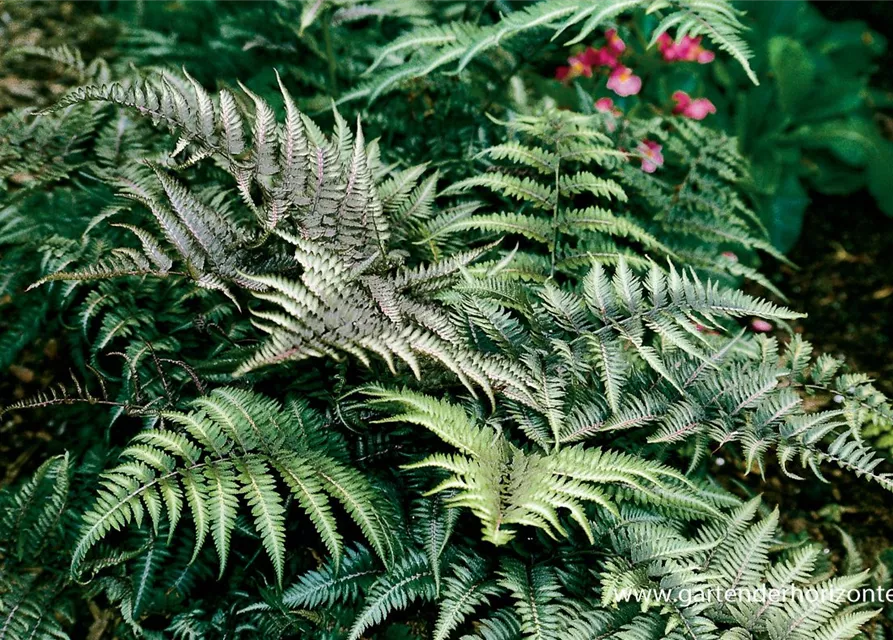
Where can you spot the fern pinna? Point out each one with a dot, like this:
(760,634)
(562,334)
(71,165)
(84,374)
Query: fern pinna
(565,183)
(348,387)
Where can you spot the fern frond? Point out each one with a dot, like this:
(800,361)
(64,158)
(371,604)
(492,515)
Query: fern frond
(32,512)
(329,583)
(505,487)
(230,444)
(408,581)
(469,587)
(458,44)
(536,594)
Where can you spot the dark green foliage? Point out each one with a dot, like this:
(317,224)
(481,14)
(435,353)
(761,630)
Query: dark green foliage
(815,125)
(404,379)
(546,595)
(232,446)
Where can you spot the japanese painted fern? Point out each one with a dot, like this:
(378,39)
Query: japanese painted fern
(470,394)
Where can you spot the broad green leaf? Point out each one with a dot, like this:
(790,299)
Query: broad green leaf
(793,70)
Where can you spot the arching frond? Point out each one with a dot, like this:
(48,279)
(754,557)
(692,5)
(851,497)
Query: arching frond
(233,446)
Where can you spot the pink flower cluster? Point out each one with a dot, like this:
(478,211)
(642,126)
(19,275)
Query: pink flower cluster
(652,158)
(696,109)
(688,49)
(621,80)
(582,63)
(606,105)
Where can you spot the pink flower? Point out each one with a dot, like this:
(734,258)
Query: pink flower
(609,55)
(703,55)
(696,109)
(730,256)
(760,326)
(615,44)
(582,63)
(652,158)
(606,106)
(688,49)
(623,82)
(578,67)
(666,46)
(562,73)
(604,57)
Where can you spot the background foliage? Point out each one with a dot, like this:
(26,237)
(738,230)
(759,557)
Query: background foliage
(350,319)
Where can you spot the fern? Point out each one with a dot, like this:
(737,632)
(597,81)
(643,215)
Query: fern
(700,207)
(506,487)
(323,201)
(455,46)
(33,524)
(470,587)
(535,591)
(319,186)
(409,580)
(646,553)
(702,388)
(232,446)
(548,213)
(27,610)
(331,583)
(36,508)
(211,236)
(572,211)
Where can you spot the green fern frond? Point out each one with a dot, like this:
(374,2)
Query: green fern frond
(330,584)
(229,446)
(408,581)
(32,512)
(470,586)
(505,487)
(26,609)
(536,594)
(561,147)
(458,44)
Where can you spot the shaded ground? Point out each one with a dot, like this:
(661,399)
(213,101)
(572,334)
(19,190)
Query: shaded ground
(845,253)
(47,25)
(845,282)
